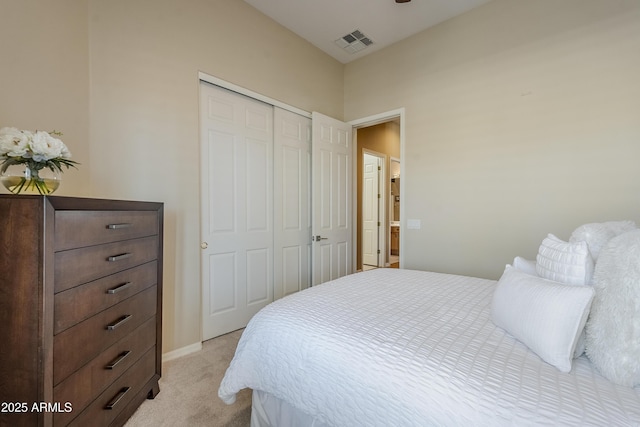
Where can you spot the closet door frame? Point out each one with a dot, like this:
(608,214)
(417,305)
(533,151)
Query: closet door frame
(251,94)
(284,246)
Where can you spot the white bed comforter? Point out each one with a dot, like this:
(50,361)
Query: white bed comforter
(394,347)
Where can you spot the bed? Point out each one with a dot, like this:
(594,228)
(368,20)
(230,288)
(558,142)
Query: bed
(391,347)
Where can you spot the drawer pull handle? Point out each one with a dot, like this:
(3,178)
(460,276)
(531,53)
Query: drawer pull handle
(118,359)
(119,322)
(119,257)
(119,288)
(119,226)
(117,398)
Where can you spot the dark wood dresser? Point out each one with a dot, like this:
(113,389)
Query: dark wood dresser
(80,309)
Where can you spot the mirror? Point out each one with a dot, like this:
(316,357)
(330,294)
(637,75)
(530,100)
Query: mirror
(395,194)
(395,190)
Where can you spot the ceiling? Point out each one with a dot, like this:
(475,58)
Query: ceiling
(384,22)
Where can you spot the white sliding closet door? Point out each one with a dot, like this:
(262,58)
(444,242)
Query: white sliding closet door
(292,202)
(237,208)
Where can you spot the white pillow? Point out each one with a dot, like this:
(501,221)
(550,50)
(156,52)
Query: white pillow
(546,316)
(525,265)
(529,266)
(613,328)
(597,234)
(568,263)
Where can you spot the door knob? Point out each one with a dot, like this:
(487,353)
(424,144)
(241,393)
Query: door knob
(318,238)
(204,245)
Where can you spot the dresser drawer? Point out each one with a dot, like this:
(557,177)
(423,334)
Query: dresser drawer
(118,394)
(76,304)
(77,266)
(92,379)
(75,229)
(81,343)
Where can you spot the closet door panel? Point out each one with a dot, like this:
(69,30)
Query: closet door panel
(222,203)
(258,194)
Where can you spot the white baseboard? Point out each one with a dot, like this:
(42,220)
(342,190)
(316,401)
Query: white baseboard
(181,352)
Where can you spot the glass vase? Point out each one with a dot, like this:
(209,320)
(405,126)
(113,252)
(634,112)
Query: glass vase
(21,179)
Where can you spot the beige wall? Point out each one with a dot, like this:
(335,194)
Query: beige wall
(44,77)
(521,120)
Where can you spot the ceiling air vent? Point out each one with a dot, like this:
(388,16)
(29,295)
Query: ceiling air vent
(354,42)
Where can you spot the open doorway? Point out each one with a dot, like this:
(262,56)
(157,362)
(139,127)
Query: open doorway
(379,142)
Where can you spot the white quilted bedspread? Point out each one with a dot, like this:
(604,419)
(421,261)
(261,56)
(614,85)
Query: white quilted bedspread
(392,347)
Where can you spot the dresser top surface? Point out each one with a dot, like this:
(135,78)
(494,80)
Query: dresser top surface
(86,203)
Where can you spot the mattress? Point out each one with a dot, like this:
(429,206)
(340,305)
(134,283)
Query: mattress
(269,411)
(411,348)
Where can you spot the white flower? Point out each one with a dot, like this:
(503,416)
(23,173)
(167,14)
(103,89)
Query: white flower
(64,152)
(14,142)
(44,147)
(36,150)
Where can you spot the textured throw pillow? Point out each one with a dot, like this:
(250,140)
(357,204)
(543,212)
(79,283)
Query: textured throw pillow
(597,234)
(613,328)
(564,262)
(546,316)
(525,265)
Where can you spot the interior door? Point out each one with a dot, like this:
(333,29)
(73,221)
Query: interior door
(331,198)
(292,202)
(237,208)
(370,209)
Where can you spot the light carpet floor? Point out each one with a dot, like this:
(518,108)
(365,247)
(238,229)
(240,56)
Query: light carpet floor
(189,391)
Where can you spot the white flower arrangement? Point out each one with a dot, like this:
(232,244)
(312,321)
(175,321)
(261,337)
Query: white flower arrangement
(36,150)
